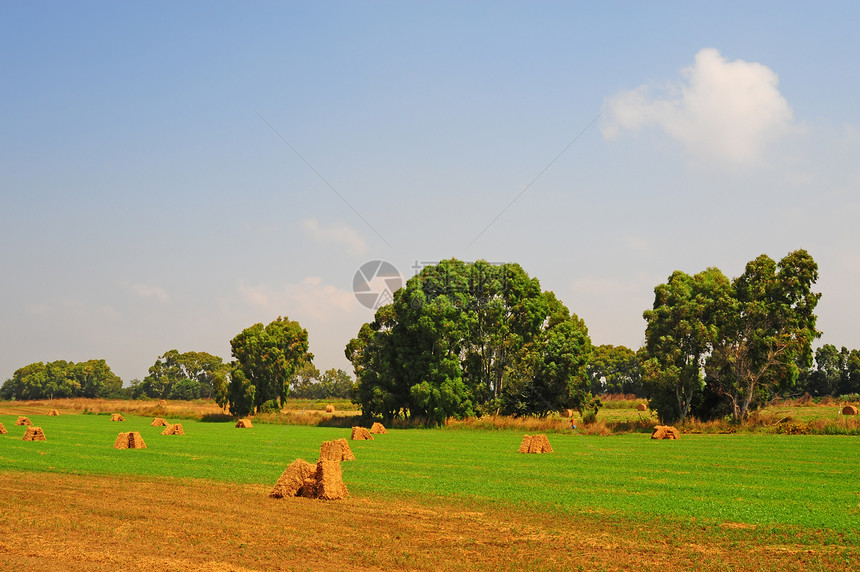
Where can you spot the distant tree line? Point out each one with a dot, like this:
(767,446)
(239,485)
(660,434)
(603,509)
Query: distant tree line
(463,339)
(61,378)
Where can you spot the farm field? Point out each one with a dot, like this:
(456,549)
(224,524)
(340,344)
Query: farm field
(751,498)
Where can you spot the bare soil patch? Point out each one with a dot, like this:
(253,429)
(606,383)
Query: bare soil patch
(56,521)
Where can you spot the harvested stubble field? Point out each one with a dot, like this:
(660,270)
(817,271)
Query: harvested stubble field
(424,499)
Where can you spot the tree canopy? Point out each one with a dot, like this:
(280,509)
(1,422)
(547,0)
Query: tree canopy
(461,338)
(189,375)
(92,378)
(266,357)
(739,340)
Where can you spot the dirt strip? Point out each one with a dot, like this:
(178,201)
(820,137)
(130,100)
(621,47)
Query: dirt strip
(72,522)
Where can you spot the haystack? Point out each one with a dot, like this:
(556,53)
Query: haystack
(293,479)
(641,407)
(329,408)
(337,450)
(849,410)
(330,485)
(567,412)
(2,430)
(117,417)
(665,432)
(174,430)
(161,403)
(378,428)
(54,413)
(244,424)
(34,434)
(159,422)
(361,434)
(130,440)
(535,444)
(23,421)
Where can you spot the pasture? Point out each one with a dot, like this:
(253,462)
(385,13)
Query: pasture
(802,492)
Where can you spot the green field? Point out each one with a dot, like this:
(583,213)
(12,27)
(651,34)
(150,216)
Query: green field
(802,481)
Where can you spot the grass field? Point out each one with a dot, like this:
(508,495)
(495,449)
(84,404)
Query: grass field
(800,492)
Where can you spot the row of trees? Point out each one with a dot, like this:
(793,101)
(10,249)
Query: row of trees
(269,362)
(470,338)
(462,338)
(61,378)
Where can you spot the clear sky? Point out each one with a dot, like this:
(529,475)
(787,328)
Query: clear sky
(173,172)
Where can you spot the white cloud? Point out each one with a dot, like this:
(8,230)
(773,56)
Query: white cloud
(728,111)
(310,298)
(148,292)
(336,234)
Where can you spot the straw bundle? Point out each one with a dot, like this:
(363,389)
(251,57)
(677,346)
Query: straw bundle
(174,430)
(34,434)
(378,428)
(2,430)
(524,447)
(293,479)
(244,424)
(665,432)
(23,421)
(330,485)
(329,408)
(849,410)
(641,407)
(117,417)
(159,422)
(54,413)
(535,444)
(130,440)
(337,450)
(361,434)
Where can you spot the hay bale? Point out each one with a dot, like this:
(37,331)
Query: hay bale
(2,430)
(329,408)
(361,434)
(23,421)
(337,450)
(34,434)
(329,481)
(524,446)
(641,407)
(535,444)
(378,428)
(244,424)
(117,417)
(545,446)
(293,479)
(159,422)
(130,440)
(174,430)
(54,413)
(665,432)
(849,410)
(567,413)
(161,403)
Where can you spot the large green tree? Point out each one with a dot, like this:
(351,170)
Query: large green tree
(188,375)
(615,369)
(765,334)
(680,334)
(266,357)
(460,338)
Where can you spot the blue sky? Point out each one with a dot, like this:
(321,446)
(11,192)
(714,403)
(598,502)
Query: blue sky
(150,198)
